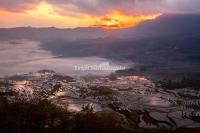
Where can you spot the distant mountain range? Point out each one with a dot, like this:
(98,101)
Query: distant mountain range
(169,41)
(165,25)
(43,34)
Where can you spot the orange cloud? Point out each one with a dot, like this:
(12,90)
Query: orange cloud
(116,19)
(43,15)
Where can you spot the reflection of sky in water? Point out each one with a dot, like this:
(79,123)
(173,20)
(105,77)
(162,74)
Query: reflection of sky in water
(26,56)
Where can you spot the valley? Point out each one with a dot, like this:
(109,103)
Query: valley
(155,107)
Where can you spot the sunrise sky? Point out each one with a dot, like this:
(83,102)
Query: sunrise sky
(109,14)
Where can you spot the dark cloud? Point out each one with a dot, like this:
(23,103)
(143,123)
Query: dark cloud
(98,7)
(93,6)
(106,19)
(18,5)
(183,6)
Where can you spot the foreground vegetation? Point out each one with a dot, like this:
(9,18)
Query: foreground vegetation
(40,116)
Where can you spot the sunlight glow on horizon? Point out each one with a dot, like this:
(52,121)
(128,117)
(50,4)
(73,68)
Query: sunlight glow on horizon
(118,19)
